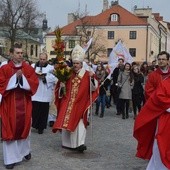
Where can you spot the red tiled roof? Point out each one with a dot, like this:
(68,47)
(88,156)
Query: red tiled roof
(126,18)
(69,29)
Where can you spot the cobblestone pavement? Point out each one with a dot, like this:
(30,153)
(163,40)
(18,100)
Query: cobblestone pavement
(110,146)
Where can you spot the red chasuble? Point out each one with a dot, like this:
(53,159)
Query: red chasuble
(151,116)
(16,104)
(154,79)
(74,105)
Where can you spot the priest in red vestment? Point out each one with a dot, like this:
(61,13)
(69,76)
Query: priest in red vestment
(73,107)
(18,82)
(160,74)
(151,129)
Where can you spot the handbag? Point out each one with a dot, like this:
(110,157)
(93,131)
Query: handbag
(119,88)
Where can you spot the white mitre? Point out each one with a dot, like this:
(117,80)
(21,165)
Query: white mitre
(78,53)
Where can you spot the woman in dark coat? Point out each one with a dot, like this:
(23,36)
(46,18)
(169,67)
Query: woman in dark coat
(137,91)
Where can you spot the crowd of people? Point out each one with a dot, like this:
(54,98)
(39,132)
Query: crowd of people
(125,87)
(29,91)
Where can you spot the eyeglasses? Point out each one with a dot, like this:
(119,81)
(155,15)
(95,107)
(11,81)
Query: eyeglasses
(163,59)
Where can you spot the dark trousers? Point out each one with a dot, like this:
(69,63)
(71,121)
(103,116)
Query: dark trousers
(108,101)
(40,112)
(114,94)
(137,102)
(124,106)
(118,106)
(101,99)
(117,103)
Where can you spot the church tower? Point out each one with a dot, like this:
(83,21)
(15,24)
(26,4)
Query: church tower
(45,24)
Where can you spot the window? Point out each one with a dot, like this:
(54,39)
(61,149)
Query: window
(0,50)
(36,50)
(132,52)
(67,53)
(71,43)
(110,34)
(109,50)
(132,35)
(88,33)
(52,53)
(114,17)
(31,50)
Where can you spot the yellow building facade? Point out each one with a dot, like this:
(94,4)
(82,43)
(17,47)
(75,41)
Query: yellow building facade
(142,33)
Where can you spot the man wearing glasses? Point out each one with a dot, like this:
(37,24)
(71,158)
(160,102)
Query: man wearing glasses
(151,127)
(161,73)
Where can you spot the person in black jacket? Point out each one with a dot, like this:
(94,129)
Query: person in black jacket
(114,78)
(137,91)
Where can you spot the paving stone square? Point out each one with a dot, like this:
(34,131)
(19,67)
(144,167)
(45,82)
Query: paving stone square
(110,146)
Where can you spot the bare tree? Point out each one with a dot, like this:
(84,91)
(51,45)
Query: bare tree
(86,30)
(18,15)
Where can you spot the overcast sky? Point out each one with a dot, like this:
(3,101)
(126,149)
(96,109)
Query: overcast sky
(57,10)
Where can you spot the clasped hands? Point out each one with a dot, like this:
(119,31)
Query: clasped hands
(19,74)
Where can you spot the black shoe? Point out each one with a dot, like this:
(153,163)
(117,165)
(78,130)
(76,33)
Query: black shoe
(96,113)
(82,148)
(108,106)
(127,116)
(118,113)
(51,123)
(10,166)
(28,157)
(40,131)
(123,117)
(101,116)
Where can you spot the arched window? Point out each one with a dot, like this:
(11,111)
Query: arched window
(114,17)
(36,50)
(31,50)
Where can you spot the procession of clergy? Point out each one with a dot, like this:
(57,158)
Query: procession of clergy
(26,92)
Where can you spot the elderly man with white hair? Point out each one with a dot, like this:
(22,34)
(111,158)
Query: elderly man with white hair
(81,91)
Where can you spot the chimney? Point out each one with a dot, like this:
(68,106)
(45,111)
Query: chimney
(116,2)
(105,5)
(71,18)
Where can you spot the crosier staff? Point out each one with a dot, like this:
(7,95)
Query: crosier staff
(91,103)
(86,50)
